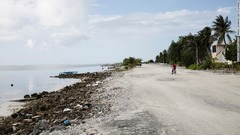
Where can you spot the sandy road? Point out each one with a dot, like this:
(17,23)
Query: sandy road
(189,103)
(151,101)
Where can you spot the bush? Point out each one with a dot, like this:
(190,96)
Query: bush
(193,67)
(207,64)
(150,61)
(218,65)
(236,66)
(131,62)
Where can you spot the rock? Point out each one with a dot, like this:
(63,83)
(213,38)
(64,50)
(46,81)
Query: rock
(75,121)
(64,118)
(57,128)
(43,107)
(2,118)
(37,96)
(26,96)
(27,120)
(40,126)
(14,115)
(9,129)
(16,124)
(34,95)
(36,117)
(70,103)
(29,115)
(86,106)
(14,128)
(44,93)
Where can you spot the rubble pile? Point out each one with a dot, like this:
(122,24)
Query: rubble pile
(58,109)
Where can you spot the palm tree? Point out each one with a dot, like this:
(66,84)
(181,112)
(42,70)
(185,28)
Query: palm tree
(206,41)
(221,28)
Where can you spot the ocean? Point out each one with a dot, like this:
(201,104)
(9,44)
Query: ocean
(34,78)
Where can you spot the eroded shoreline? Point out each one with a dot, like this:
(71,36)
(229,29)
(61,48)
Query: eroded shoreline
(70,105)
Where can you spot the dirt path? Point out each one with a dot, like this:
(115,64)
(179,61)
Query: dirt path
(189,103)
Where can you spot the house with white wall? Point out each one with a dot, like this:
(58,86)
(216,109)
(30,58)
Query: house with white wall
(218,51)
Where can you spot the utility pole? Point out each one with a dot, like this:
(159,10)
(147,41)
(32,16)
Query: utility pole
(196,53)
(238,31)
(191,41)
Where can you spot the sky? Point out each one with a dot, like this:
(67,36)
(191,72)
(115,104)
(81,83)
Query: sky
(43,32)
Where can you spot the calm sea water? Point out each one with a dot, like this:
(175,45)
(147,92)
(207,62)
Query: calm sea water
(31,79)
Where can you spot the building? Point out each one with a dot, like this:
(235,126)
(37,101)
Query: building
(218,51)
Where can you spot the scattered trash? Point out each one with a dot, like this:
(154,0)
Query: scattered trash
(67,110)
(66,122)
(79,106)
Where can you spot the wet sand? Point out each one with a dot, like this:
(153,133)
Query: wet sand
(7,108)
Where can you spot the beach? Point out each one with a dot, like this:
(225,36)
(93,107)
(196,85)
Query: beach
(17,81)
(148,100)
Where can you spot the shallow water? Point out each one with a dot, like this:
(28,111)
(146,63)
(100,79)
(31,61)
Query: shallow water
(31,79)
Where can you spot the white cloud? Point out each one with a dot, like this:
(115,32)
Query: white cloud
(31,43)
(45,24)
(38,20)
(70,36)
(60,12)
(143,24)
(224,11)
(12,13)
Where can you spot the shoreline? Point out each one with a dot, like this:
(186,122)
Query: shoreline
(72,103)
(8,107)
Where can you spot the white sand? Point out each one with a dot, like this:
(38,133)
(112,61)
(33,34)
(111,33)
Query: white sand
(7,108)
(152,101)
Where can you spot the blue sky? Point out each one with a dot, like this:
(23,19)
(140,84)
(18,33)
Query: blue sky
(99,31)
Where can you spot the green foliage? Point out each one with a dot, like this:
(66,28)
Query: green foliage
(236,66)
(174,52)
(207,64)
(193,67)
(188,58)
(184,51)
(190,49)
(131,62)
(218,65)
(231,52)
(150,61)
(162,57)
(221,27)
